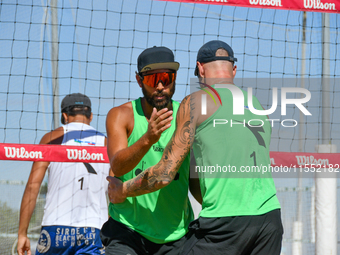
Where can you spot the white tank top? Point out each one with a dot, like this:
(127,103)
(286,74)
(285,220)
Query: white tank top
(76,194)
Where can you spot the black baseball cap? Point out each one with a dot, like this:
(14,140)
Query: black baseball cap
(75,99)
(156,58)
(207,53)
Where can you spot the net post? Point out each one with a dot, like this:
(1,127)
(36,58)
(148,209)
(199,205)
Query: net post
(325,80)
(54,61)
(325,208)
(297,238)
(298,224)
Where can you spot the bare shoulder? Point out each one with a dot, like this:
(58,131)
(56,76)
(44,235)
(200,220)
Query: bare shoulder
(204,103)
(122,111)
(120,117)
(184,106)
(193,108)
(186,99)
(191,102)
(53,137)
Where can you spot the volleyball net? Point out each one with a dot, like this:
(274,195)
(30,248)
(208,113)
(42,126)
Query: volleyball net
(53,48)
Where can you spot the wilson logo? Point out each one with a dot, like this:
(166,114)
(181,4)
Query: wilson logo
(83,154)
(12,152)
(217,1)
(317,4)
(266,2)
(307,160)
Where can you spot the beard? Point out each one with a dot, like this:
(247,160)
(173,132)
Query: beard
(158,104)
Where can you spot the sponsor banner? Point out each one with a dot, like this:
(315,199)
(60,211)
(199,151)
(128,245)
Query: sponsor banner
(331,6)
(299,159)
(90,154)
(55,153)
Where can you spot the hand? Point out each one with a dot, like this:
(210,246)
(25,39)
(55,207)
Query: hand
(115,190)
(158,123)
(23,245)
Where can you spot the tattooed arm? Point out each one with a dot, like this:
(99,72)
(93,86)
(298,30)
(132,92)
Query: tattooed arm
(160,175)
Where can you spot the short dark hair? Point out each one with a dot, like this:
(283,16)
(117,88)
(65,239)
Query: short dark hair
(75,110)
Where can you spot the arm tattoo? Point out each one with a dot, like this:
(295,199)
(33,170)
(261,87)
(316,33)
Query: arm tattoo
(164,172)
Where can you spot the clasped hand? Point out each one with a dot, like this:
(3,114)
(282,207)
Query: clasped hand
(115,190)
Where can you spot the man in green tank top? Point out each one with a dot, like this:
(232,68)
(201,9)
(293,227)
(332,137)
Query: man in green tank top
(240,211)
(137,133)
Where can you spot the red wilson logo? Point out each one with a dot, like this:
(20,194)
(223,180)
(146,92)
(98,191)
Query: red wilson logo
(12,152)
(83,154)
(317,4)
(266,2)
(308,160)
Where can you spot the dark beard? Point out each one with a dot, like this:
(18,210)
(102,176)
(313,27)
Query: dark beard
(158,104)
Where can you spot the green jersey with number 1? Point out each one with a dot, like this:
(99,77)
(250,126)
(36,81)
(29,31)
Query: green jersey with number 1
(232,154)
(164,215)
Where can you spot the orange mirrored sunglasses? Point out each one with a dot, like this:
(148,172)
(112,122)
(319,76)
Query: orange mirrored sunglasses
(152,80)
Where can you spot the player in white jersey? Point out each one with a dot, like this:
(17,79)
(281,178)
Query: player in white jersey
(76,205)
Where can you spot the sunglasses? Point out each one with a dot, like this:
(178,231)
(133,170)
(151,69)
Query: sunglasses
(153,79)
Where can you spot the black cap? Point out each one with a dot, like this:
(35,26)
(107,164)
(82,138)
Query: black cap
(75,99)
(207,53)
(156,58)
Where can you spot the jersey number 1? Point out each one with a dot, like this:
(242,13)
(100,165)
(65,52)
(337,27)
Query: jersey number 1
(90,169)
(256,132)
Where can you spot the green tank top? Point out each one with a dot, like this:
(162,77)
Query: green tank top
(164,215)
(234,146)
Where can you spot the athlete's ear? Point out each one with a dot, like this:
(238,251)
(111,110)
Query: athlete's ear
(64,118)
(139,79)
(234,70)
(200,69)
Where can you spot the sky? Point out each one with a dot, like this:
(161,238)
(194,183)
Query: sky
(99,43)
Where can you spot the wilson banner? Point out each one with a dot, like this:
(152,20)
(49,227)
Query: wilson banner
(330,6)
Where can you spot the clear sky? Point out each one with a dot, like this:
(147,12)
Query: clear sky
(99,42)
(99,45)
